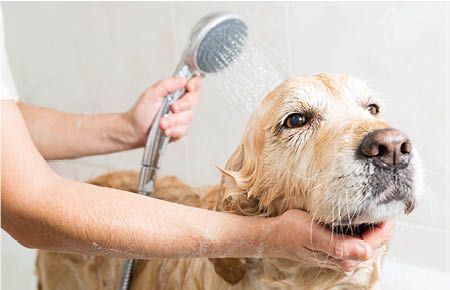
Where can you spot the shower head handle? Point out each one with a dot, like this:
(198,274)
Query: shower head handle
(215,42)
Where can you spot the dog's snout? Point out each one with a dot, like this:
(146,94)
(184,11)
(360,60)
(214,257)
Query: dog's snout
(387,147)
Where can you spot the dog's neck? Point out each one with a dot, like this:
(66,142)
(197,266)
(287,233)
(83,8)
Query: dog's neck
(267,271)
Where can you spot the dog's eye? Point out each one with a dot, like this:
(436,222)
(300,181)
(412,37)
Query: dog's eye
(295,121)
(373,109)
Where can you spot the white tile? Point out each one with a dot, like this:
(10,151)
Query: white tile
(421,246)
(87,57)
(396,276)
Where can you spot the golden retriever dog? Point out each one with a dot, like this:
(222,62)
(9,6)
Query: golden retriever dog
(314,143)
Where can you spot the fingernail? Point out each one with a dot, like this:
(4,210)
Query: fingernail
(363,252)
(349,273)
(168,132)
(164,123)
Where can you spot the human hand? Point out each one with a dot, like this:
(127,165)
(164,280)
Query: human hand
(296,237)
(175,125)
(378,238)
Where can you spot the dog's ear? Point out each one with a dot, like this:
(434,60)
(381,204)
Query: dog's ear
(231,270)
(232,184)
(239,184)
(244,166)
(237,194)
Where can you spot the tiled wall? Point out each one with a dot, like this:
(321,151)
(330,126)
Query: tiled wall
(98,57)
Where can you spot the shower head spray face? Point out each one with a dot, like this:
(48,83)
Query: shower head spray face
(215,42)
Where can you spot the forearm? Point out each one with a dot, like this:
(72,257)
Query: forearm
(89,219)
(43,210)
(59,135)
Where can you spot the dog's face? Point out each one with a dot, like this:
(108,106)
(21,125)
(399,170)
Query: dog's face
(320,144)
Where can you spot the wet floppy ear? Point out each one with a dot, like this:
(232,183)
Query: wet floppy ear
(244,165)
(231,184)
(238,182)
(232,270)
(240,190)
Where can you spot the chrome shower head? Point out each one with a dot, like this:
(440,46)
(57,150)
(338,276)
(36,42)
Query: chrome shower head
(215,42)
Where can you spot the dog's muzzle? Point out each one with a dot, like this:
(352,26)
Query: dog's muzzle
(390,152)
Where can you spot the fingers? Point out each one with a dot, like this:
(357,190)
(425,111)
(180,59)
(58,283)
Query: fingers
(177,132)
(191,98)
(169,121)
(338,246)
(324,260)
(187,102)
(194,84)
(176,125)
(166,86)
(380,235)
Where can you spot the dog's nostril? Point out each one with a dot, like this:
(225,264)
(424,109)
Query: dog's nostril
(381,150)
(387,148)
(406,147)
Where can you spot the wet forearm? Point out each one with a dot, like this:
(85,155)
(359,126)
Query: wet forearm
(42,210)
(59,135)
(88,219)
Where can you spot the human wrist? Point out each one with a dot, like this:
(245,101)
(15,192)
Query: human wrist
(270,237)
(131,135)
(250,237)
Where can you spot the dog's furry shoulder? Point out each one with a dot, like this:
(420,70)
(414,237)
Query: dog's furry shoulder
(169,188)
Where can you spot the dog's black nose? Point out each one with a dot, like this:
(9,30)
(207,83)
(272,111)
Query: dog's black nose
(388,148)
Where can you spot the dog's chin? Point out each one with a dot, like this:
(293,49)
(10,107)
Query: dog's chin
(372,217)
(376,213)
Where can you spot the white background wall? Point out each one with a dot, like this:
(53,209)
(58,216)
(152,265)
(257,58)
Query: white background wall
(98,57)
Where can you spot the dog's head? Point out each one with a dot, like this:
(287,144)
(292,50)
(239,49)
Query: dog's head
(320,144)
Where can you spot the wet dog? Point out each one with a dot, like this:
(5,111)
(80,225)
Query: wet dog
(314,143)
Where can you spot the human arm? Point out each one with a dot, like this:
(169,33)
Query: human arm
(60,135)
(42,210)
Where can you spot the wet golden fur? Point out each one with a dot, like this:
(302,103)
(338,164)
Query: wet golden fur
(271,171)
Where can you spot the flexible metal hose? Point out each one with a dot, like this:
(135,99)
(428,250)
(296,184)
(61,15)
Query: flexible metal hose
(151,159)
(125,279)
